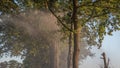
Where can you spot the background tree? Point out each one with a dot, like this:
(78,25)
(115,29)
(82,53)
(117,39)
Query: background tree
(8,6)
(3,64)
(27,36)
(31,39)
(11,64)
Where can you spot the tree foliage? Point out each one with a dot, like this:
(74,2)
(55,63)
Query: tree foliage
(11,64)
(31,36)
(8,6)
(96,17)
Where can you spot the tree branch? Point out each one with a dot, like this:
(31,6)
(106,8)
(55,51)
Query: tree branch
(60,21)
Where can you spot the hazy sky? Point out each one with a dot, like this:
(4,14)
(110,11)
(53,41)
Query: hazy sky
(10,58)
(111,46)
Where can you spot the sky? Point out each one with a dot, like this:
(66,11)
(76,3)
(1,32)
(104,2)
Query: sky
(111,46)
(11,58)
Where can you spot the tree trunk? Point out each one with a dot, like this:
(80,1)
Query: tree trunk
(56,59)
(106,64)
(54,55)
(76,52)
(70,52)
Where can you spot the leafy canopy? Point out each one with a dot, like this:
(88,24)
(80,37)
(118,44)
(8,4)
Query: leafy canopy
(96,17)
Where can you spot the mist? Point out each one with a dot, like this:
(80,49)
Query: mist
(35,35)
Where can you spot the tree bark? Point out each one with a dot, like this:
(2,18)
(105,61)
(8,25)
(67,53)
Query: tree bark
(76,52)
(106,64)
(54,55)
(70,52)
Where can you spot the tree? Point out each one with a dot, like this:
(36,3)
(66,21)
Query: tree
(3,64)
(11,64)
(14,64)
(36,44)
(105,60)
(97,16)
(70,52)
(8,6)
(31,37)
